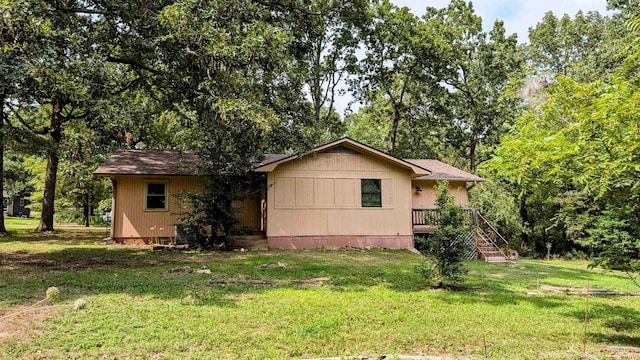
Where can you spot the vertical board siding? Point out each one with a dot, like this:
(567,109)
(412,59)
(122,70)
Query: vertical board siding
(345,193)
(130,218)
(426,199)
(320,196)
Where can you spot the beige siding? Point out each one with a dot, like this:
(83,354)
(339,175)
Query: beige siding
(426,199)
(320,195)
(131,220)
(248,213)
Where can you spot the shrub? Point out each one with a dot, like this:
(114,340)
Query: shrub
(443,250)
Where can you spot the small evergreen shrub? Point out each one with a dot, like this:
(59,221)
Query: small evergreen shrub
(443,250)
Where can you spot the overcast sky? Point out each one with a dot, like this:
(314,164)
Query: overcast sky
(518,15)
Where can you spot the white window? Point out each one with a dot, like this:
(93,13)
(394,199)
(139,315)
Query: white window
(155,195)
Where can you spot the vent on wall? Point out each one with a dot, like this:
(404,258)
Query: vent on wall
(341,150)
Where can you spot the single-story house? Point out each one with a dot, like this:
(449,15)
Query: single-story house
(17,204)
(340,194)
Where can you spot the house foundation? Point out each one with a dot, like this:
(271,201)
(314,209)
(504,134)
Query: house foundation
(341,241)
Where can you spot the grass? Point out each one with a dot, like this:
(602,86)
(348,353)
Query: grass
(374,304)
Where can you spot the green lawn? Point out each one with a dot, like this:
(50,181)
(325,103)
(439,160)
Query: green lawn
(374,304)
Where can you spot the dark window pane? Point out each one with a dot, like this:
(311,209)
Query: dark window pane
(155,202)
(155,189)
(156,196)
(371,193)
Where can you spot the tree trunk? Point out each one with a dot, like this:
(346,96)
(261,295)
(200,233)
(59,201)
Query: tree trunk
(394,129)
(85,208)
(55,135)
(473,144)
(3,229)
(524,215)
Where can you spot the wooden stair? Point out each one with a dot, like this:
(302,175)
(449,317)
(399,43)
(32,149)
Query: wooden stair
(487,250)
(256,241)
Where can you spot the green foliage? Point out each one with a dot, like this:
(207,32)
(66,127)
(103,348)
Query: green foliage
(499,207)
(434,86)
(615,236)
(443,249)
(581,148)
(583,47)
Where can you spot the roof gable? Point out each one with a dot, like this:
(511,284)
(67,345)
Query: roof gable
(175,163)
(348,145)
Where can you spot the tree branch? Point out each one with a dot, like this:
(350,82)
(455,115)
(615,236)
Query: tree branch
(42,131)
(134,64)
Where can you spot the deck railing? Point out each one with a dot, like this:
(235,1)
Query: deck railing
(432,216)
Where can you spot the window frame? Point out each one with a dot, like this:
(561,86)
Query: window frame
(378,204)
(146,195)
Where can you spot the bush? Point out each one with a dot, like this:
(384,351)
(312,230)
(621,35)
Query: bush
(443,250)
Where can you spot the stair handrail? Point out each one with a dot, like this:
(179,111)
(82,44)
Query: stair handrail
(503,240)
(488,239)
(482,254)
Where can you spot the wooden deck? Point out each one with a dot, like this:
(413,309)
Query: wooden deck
(489,244)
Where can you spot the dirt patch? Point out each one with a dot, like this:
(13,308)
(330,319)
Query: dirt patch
(22,326)
(266,283)
(621,352)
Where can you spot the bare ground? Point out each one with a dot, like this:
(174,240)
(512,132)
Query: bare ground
(22,326)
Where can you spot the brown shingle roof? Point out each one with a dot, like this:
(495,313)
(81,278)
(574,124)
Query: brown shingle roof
(148,162)
(442,171)
(158,162)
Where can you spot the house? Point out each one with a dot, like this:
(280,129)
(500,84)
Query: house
(341,194)
(17,204)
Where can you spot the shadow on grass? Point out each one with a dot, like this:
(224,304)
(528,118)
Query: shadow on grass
(619,319)
(63,235)
(80,272)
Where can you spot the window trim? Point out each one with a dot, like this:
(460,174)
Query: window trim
(166,195)
(379,193)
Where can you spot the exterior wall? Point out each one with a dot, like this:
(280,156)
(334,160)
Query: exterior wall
(132,221)
(15,208)
(249,213)
(319,198)
(426,199)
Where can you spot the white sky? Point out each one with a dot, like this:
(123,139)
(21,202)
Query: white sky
(518,17)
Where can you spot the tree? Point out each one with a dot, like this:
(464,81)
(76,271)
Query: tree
(400,67)
(444,249)
(223,68)
(581,47)
(478,70)
(60,77)
(586,138)
(325,48)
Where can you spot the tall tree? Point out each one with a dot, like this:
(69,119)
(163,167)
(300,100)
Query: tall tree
(221,66)
(401,64)
(325,45)
(61,75)
(583,142)
(479,68)
(580,47)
